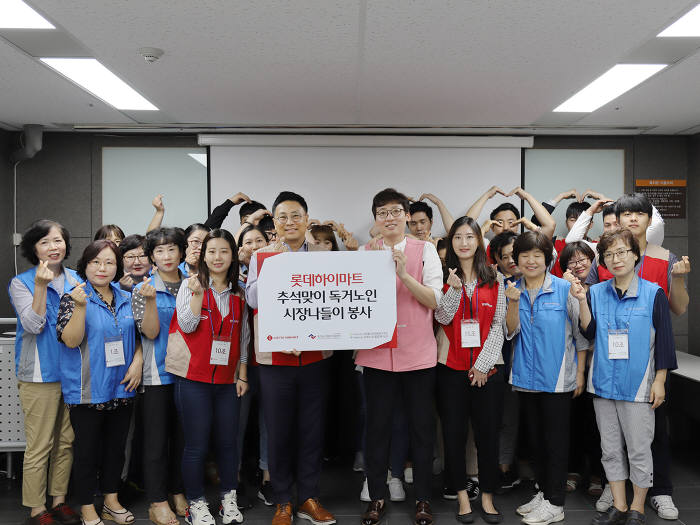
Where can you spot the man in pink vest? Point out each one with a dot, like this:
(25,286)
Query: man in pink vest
(405,374)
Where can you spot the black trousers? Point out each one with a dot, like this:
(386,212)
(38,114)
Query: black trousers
(416,390)
(584,439)
(100,440)
(661,452)
(294,402)
(164,443)
(547,415)
(458,402)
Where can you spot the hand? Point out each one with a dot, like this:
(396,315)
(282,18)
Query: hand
(593,195)
(43,275)
(598,206)
(577,291)
(280,245)
(239,197)
(657,395)
(351,244)
(157,203)
(254,218)
(569,194)
(432,198)
(296,353)
(454,281)
(512,292)
(376,243)
(126,282)
(518,191)
(194,285)
(400,260)
(192,258)
(312,222)
(133,374)
(79,296)
(580,384)
(493,190)
(527,223)
(682,267)
(147,291)
(569,276)
(241,387)
(477,378)
(332,224)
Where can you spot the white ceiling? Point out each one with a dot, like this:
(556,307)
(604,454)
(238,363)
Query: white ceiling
(453,64)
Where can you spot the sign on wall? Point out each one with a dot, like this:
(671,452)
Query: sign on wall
(326,301)
(668,195)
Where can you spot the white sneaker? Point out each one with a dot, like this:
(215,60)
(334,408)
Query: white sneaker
(408,475)
(544,514)
(531,505)
(396,492)
(229,510)
(364,494)
(605,500)
(198,513)
(664,507)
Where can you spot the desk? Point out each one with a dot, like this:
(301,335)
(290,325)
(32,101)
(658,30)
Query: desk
(688,366)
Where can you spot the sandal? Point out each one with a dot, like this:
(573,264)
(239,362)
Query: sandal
(162,516)
(122,517)
(180,504)
(572,482)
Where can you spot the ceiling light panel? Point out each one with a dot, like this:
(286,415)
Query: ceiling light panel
(95,78)
(610,85)
(18,15)
(688,25)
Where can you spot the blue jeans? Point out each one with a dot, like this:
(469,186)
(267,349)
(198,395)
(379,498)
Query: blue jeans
(204,407)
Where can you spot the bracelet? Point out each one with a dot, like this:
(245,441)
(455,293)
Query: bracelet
(241,379)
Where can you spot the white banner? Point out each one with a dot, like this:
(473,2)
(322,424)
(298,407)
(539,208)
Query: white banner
(326,301)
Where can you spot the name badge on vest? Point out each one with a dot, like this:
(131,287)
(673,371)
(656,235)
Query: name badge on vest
(471,336)
(618,344)
(114,351)
(220,351)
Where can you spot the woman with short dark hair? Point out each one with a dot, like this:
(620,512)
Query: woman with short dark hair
(110,232)
(101,366)
(136,263)
(548,366)
(35,296)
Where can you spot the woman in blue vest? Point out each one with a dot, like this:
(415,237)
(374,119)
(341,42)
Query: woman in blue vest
(194,235)
(542,319)
(630,320)
(35,295)
(101,368)
(153,303)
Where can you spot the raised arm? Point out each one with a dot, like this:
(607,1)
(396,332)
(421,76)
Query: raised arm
(475,210)
(547,222)
(445,214)
(157,219)
(655,231)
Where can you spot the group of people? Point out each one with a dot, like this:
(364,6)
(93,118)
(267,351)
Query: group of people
(491,333)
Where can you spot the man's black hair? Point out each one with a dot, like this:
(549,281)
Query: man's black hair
(289,196)
(635,202)
(417,207)
(575,209)
(506,206)
(248,208)
(388,196)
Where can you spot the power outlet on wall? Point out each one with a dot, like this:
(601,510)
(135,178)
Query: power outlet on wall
(16,239)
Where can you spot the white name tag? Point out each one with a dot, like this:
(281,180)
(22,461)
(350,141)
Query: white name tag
(471,337)
(220,350)
(618,344)
(114,352)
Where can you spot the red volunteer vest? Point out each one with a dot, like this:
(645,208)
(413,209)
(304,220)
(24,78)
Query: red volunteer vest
(559,246)
(199,342)
(459,358)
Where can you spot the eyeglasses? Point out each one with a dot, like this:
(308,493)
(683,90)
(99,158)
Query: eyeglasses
(96,264)
(195,243)
(295,217)
(620,254)
(395,212)
(577,262)
(132,258)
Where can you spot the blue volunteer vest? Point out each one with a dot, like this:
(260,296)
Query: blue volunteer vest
(37,355)
(85,377)
(623,379)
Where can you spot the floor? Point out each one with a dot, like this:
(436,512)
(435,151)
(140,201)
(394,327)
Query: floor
(340,494)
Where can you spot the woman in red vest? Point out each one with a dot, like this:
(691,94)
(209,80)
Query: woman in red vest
(207,351)
(469,377)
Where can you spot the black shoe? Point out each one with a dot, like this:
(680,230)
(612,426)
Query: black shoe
(63,514)
(449,494)
(635,518)
(243,498)
(374,513)
(265,493)
(473,489)
(467,517)
(508,481)
(612,516)
(491,518)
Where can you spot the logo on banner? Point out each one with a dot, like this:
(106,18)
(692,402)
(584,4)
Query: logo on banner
(312,336)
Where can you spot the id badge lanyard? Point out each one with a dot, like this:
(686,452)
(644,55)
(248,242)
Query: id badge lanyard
(618,339)
(469,328)
(114,346)
(220,346)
